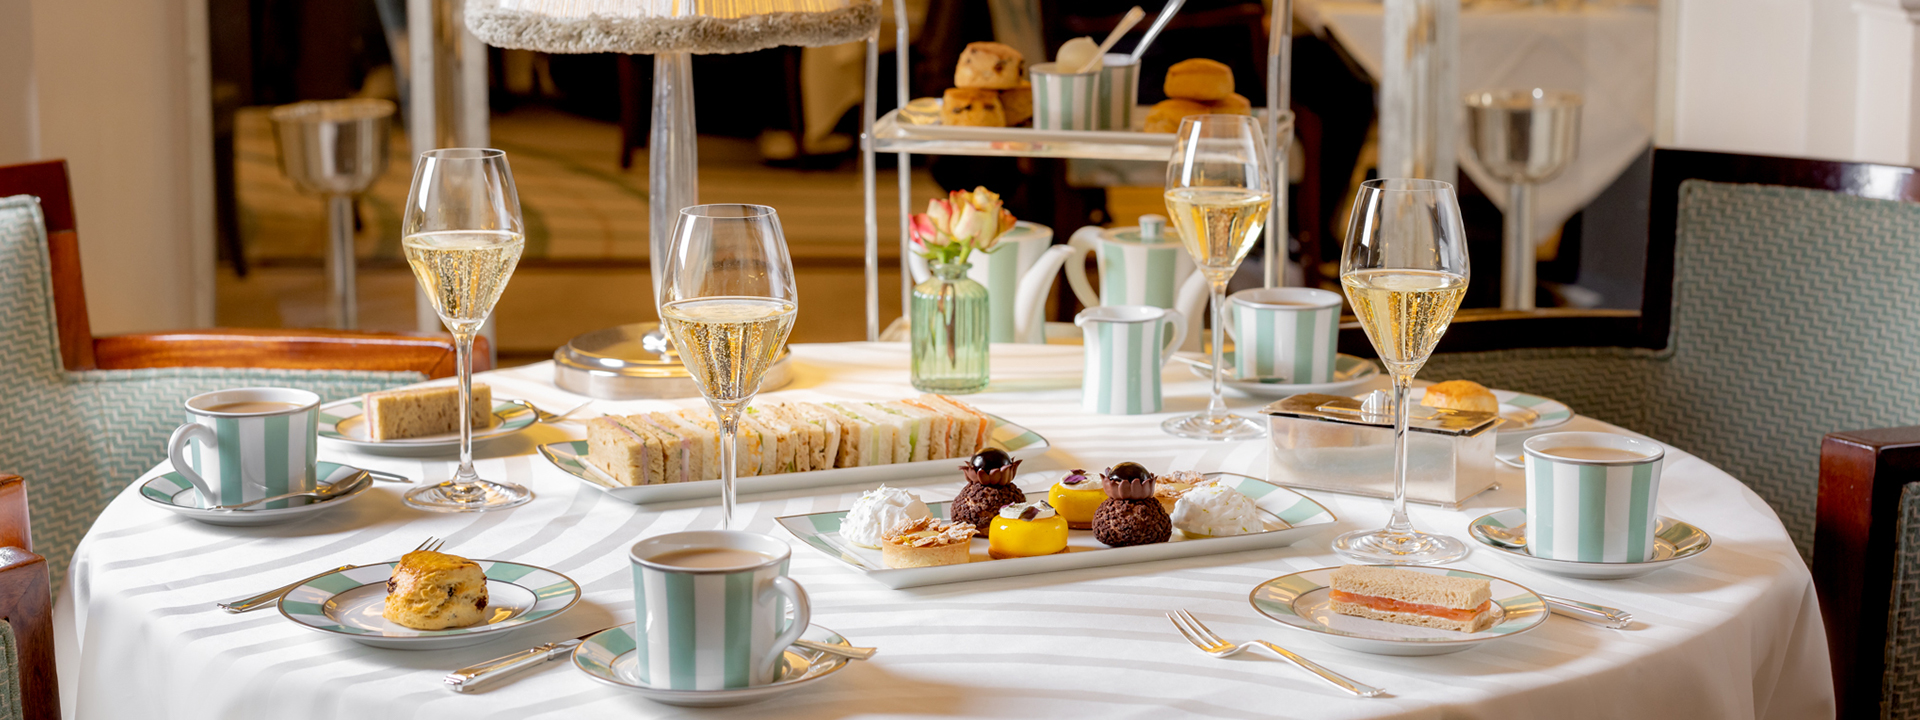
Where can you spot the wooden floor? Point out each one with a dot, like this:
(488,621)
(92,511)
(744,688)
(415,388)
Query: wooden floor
(586,259)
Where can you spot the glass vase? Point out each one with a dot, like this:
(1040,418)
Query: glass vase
(949,325)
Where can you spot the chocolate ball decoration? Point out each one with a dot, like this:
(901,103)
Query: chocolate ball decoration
(988,460)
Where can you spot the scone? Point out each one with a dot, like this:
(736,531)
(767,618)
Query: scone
(972,108)
(1232,104)
(1165,117)
(989,66)
(1199,79)
(1018,103)
(436,591)
(926,542)
(1461,395)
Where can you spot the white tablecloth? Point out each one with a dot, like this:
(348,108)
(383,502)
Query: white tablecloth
(1736,634)
(1607,54)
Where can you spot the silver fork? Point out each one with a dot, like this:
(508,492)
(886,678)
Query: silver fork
(264,599)
(548,417)
(1197,633)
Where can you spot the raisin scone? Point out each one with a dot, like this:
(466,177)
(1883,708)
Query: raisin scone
(436,591)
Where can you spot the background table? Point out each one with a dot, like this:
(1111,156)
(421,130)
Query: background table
(1736,634)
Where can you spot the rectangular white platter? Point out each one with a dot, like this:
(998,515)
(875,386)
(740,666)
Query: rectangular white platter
(1291,517)
(1018,441)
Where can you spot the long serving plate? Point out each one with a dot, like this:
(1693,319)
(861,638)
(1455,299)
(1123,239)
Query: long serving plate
(571,456)
(1290,518)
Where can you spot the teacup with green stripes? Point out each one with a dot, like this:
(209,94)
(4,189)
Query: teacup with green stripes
(710,609)
(1064,100)
(1287,334)
(1125,347)
(1118,92)
(248,443)
(1591,496)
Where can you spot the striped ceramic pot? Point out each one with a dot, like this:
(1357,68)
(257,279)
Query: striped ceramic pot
(1118,93)
(1125,347)
(710,609)
(1141,265)
(1591,496)
(1288,334)
(1001,271)
(248,443)
(1064,100)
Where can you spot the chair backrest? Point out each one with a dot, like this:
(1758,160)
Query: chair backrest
(48,182)
(28,688)
(1868,571)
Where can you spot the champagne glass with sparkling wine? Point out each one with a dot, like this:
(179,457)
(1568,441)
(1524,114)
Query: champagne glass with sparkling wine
(1217,196)
(463,235)
(1404,268)
(728,299)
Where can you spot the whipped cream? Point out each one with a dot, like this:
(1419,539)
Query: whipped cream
(1040,508)
(1216,510)
(1082,481)
(879,510)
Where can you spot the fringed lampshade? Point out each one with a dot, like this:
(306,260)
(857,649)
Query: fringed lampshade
(648,27)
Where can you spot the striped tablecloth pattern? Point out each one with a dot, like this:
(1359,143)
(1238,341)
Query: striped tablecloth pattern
(1736,634)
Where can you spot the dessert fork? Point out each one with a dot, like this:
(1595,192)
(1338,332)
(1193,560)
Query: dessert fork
(1197,633)
(269,597)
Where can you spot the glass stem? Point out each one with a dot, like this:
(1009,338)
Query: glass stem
(729,427)
(463,361)
(1216,406)
(1400,525)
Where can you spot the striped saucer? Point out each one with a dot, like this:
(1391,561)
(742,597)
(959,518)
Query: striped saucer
(611,656)
(171,492)
(348,604)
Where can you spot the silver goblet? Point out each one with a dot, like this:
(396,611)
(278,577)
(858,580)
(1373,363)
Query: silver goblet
(1522,138)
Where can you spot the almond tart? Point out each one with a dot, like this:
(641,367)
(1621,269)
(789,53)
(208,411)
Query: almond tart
(926,542)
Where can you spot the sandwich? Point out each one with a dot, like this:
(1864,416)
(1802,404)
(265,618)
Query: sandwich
(883,437)
(975,427)
(1413,598)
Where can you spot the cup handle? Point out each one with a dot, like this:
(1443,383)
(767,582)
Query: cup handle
(1087,240)
(796,597)
(918,266)
(1179,336)
(176,454)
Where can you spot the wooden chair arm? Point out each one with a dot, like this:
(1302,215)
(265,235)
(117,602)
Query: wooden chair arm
(15,525)
(1856,545)
(26,603)
(432,355)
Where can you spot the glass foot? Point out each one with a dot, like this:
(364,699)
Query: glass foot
(476,496)
(1395,548)
(1202,426)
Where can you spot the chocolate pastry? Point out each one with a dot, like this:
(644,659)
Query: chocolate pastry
(989,487)
(1130,515)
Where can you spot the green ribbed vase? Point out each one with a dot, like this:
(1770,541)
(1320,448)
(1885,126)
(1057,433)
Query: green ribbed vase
(950,324)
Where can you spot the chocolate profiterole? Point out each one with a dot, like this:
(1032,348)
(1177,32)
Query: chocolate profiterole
(1130,515)
(989,487)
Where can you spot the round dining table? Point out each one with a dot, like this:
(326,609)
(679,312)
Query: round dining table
(1736,633)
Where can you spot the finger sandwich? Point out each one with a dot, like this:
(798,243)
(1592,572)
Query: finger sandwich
(1413,598)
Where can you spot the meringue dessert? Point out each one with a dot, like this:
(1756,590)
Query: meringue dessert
(1076,497)
(436,591)
(876,511)
(1025,530)
(1215,510)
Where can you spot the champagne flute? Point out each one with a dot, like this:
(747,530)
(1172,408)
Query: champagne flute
(1217,196)
(1404,268)
(728,299)
(463,235)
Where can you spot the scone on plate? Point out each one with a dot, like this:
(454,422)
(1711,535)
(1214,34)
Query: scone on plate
(972,107)
(1165,116)
(1018,103)
(436,591)
(1461,395)
(1199,79)
(1232,104)
(989,66)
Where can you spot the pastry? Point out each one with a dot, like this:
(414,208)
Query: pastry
(415,412)
(972,107)
(1461,395)
(435,591)
(989,487)
(1169,487)
(1017,104)
(879,510)
(1232,104)
(1130,515)
(1076,497)
(1214,510)
(1199,79)
(1025,530)
(665,447)
(1165,116)
(989,66)
(925,543)
(1412,598)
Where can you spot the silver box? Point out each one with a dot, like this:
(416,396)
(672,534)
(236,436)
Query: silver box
(1326,442)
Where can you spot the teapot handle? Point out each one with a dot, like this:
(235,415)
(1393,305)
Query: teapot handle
(1191,301)
(1027,301)
(918,266)
(1087,239)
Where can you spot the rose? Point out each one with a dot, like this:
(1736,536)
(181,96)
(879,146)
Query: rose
(956,226)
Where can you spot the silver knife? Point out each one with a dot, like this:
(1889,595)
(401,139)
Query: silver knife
(1588,612)
(474,677)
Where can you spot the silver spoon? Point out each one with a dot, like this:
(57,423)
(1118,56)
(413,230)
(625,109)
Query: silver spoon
(329,492)
(1514,537)
(1159,23)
